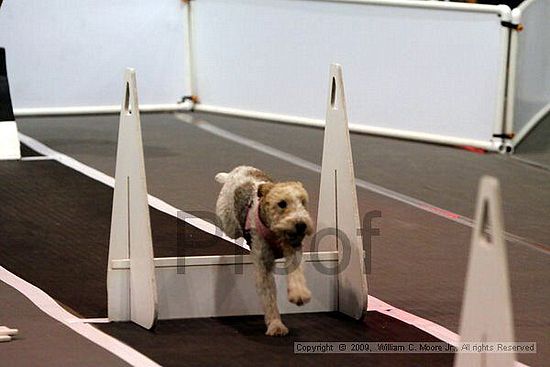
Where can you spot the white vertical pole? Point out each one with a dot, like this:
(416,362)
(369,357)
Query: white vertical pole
(338,203)
(499,126)
(487,308)
(512,70)
(133,298)
(189,56)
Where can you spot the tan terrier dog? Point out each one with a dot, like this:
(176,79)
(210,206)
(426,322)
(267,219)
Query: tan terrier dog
(273,219)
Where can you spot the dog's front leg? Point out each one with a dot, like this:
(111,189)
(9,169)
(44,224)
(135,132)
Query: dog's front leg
(298,292)
(267,290)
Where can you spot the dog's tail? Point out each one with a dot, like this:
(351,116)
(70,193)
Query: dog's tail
(222,177)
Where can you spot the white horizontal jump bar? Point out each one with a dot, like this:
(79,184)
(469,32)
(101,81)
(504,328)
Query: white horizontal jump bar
(169,262)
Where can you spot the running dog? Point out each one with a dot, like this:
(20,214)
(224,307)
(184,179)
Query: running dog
(273,218)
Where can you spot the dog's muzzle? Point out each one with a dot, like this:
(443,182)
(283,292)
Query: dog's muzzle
(295,237)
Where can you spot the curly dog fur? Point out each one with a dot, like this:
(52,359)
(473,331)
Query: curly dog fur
(273,218)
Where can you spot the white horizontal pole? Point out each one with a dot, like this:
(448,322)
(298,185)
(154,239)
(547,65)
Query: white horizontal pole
(170,262)
(92,110)
(382,131)
(260,115)
(432,138)
(501,10)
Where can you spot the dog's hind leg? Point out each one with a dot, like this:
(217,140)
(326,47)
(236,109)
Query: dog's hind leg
(267,290)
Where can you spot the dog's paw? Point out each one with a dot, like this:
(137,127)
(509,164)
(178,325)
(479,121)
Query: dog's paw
(276,328)
(299,296)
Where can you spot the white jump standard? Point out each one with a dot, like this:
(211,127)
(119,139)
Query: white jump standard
(209,287)
(487,306)
(133,296)
(338,208)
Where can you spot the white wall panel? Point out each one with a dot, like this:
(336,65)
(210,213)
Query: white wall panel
(532,73)
(65,53)
(435,71)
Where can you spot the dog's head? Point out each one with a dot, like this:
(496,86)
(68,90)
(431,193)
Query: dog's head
(283,208)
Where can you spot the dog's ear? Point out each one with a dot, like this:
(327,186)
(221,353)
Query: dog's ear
(264,188)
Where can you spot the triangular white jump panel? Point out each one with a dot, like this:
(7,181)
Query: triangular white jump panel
(338,203)
(9,139)
(487,308)
(134,298)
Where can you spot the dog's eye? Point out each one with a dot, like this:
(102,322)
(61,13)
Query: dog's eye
(282,204)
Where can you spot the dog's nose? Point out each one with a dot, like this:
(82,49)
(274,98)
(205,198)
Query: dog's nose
(300,227)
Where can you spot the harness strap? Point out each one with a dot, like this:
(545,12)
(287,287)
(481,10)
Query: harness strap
(253,216)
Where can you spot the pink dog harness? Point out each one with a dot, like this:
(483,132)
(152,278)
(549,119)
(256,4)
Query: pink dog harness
(253,214)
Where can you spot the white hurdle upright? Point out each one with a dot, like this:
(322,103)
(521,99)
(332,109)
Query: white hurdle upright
(487,307)
(134,296)
(338,202)
(224,285)
(9,139)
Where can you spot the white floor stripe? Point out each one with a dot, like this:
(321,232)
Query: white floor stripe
(290,158)
(38,158)
(49,306)
(430,327)
(375,304)
(110,181)
(530,162)
(98,320)
(425,325)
